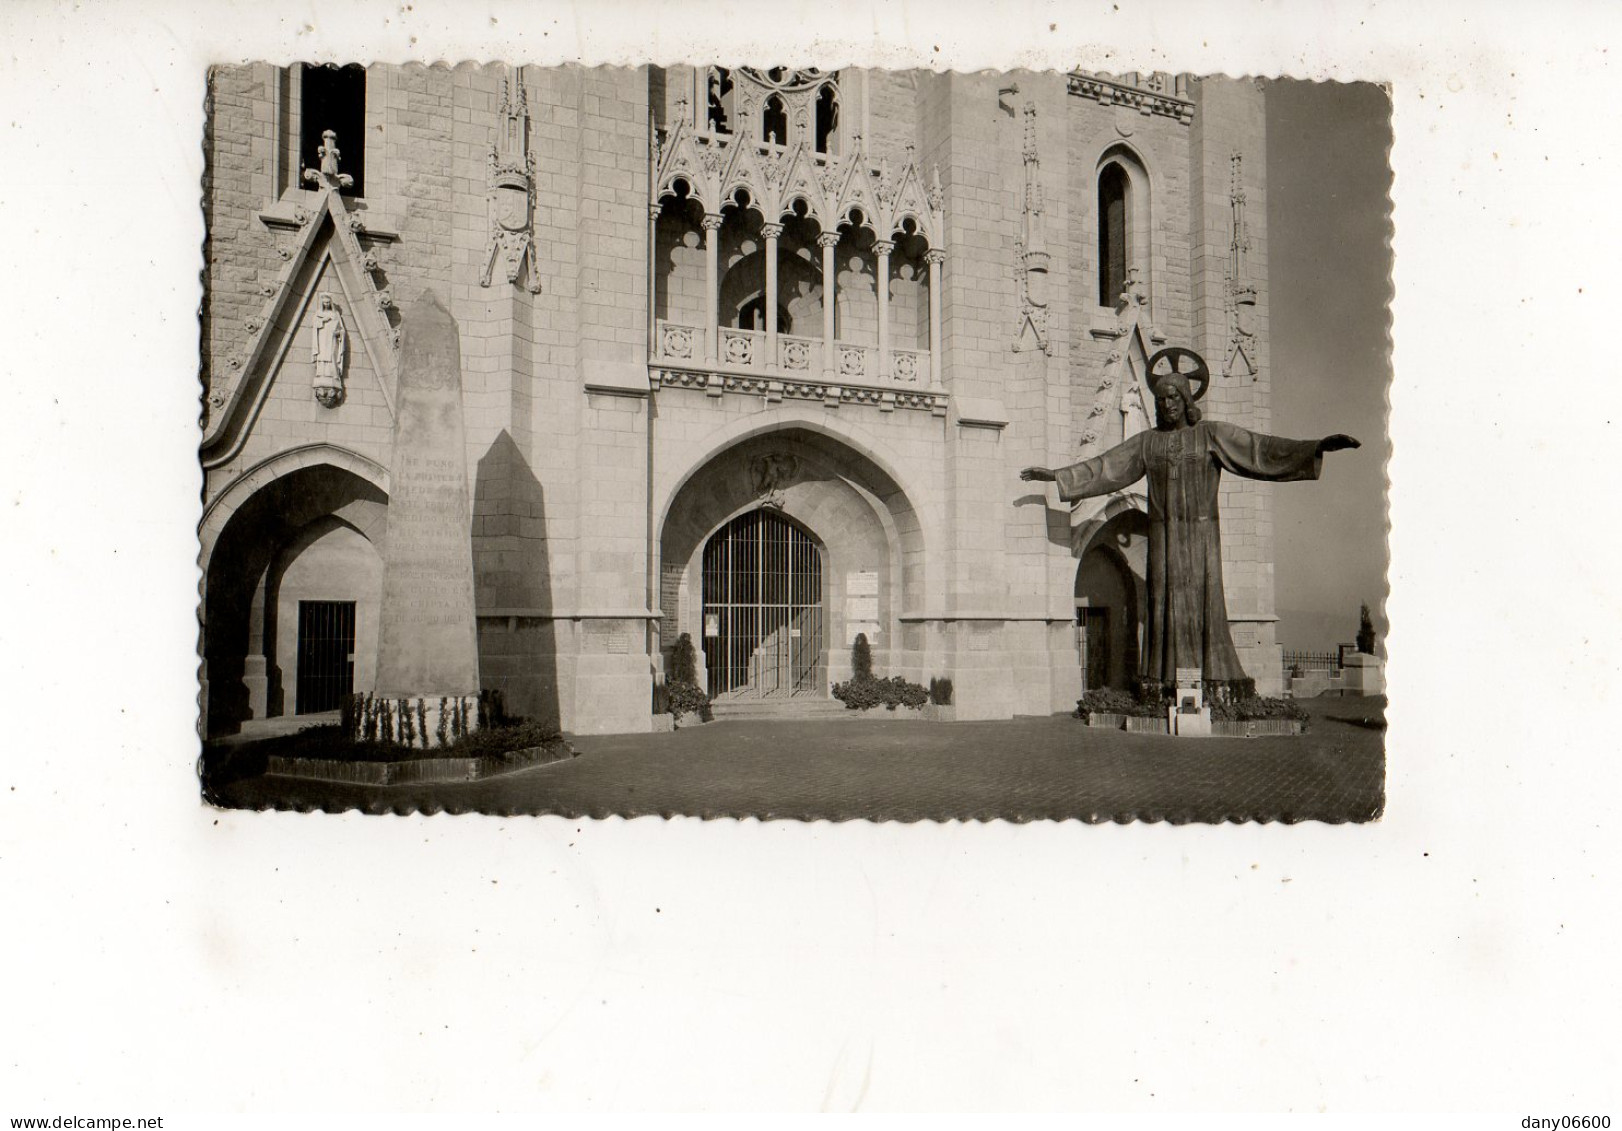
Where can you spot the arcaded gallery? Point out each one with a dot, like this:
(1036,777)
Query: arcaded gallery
(751,355)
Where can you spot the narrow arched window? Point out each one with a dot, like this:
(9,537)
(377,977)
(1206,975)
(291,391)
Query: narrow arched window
(774,122)
(1113,225)
(718,111)
(827,118)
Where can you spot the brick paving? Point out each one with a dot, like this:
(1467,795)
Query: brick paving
(1024,769)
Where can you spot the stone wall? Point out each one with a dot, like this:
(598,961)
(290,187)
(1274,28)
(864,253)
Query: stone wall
(574,467)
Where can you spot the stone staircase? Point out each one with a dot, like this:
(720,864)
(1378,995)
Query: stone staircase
(801,708)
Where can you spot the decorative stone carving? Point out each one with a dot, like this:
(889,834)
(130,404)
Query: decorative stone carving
(328,176)
(772,474)
(1031,259)
(715,166)
(1134,412)
(511,201)
(1156,94)
(796,355)
(328,352)
(1239,296)
(904,366)
(676,341)
(852,361)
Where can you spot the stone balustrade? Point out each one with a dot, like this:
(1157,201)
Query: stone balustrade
(746,352)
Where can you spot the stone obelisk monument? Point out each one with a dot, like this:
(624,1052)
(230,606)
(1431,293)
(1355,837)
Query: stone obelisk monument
(427,642)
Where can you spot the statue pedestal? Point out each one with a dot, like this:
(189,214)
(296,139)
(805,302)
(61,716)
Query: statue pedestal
(1196,724)
(1189,717)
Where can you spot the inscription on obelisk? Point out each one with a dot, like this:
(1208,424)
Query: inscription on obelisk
(427,642)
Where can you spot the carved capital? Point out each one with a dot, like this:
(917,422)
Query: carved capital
(655,209)
(935,256)
(771,231)
(828,239)
(883,247)
(712,221)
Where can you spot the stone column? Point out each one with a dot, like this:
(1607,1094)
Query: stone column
(883,248)
(654,345)
(827,241)
(771,232)
(712,282)
(934,257)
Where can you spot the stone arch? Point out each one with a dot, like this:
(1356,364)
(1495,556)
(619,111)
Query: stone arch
(847,499)
(1111,594)
(220,509)
(247,529)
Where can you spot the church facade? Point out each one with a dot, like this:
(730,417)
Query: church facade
(750,355)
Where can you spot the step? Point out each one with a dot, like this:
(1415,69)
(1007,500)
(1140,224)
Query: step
(763,709)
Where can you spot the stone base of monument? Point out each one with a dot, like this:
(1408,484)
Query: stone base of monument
(1256,728)
(1189,724)
(416,770)
(1138,724)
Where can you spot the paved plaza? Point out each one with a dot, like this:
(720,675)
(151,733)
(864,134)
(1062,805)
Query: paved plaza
(1045,768)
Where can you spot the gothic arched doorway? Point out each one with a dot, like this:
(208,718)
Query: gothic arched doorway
(762,612)
(1110,608)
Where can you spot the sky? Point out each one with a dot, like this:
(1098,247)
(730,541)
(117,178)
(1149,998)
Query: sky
(1328,232)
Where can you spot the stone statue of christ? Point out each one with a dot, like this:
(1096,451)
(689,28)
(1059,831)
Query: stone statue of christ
(1183,458)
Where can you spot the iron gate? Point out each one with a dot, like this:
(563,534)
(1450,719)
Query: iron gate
(763,609)
(326,647)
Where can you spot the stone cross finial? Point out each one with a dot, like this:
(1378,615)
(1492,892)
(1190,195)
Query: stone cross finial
(328,176)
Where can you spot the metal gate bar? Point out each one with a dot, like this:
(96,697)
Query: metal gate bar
(762,578)
(326,643)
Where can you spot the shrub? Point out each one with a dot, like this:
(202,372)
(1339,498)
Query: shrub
(1260,707)
(858,694)
(350,712)
(681,695)
(940,691)
(1105,701)
(493,708)
(688,698)
(861,658)
(684,661)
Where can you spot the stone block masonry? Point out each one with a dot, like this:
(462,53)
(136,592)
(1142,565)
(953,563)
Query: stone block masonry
(581,475)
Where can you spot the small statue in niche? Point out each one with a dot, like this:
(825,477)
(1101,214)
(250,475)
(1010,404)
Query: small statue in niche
(328,176)
(327,352)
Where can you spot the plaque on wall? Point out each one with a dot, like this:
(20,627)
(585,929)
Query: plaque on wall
(862,583)
(855,628)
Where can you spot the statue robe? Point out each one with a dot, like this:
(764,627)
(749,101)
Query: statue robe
(1188,614)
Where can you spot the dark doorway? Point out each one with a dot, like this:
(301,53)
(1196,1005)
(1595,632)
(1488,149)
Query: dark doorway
(1095,645)
(326,655)
(763,609)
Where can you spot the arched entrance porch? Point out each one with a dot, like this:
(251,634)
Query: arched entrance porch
(1111,575)
(293,581)
(835,549)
